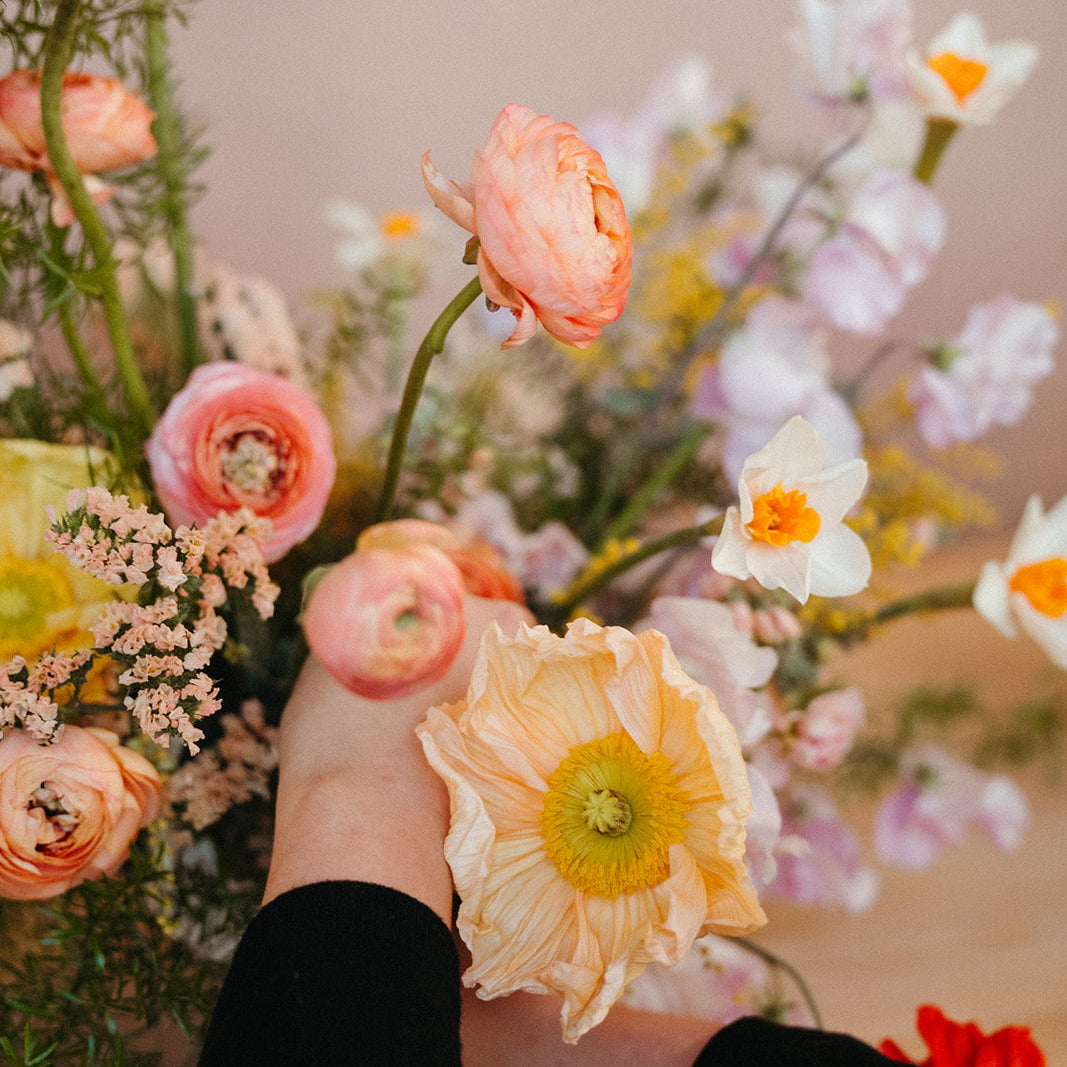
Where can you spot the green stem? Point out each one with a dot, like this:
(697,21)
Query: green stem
(58,49)
(941,598)
(661,478)
(169,164)
(592,583)
(432,344)
(938,134)
(776,961)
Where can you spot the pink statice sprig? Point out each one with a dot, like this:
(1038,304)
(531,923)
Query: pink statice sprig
(163,641)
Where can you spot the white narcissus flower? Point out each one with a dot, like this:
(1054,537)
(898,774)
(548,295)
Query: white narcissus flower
(1029,589)
(964,79)
(787,531)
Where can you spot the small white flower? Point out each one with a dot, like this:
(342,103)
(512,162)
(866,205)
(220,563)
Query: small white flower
(963,78)
(787,532)
(1029,589)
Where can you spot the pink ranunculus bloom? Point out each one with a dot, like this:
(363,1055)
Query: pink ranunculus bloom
(388,618)
(106,128)
(892,229)
(554,243)
(238,437)
(938,799)
(69,810)
(827,729)
(987,373)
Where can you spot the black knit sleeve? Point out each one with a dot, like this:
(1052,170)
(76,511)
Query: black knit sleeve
(340,973)
(754,1042)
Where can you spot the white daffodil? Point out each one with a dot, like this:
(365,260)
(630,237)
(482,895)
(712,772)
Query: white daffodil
(1029,589)
(964,79)
(787,531)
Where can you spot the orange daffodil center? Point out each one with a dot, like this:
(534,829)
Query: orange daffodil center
(1044,584)
(779,517)
(611,814)
(961,74)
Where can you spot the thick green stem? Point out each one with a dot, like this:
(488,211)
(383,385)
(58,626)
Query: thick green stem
(594,582)
(432,344)
(938,134)
(941,598)
(165,128)
(59,47)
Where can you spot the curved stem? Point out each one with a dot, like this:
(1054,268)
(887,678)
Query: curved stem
(168,162)
(592,583)
(941,598)
(787,968)
(58,49)
(432,344)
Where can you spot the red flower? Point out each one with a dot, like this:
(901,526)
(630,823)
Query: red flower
(953,1044)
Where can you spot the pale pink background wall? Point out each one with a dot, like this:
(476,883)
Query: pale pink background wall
(307,101)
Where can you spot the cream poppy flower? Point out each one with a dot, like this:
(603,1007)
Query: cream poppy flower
(1029,589)
(963,78)
(599,801)
(787,531)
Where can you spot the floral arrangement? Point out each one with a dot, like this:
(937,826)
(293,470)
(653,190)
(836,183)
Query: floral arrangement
(667,471)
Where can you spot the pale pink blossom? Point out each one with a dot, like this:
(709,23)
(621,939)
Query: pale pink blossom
(827,727)
(1028,589)
(69,810)
(962,78)
(892,228)
(387,620)
(986,375)
(772,368)
(851,48)
(822,863)
(938,799)
(235,437)
(554,243)
(105,127)
(787,531)
(714,651)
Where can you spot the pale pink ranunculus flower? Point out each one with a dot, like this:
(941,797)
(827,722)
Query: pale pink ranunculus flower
(388,619)
(892,228)
(69,810)
(938,799)
(962,78)
(238,437)
(774,367)
(106,127)
(827,728)
(554,243)
(986,375)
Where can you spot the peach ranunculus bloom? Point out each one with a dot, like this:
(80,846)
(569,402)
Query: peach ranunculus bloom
(238,437)
(599,800)
(554,243)
(106,127)
(388,619)
(69,810)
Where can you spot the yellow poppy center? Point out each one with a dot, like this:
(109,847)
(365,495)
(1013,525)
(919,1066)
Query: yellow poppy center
(960,74)
(30,591)
(779,517)
(1044,584)
(611,814)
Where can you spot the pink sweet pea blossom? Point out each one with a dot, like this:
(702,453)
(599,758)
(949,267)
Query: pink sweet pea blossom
(892,229)
(1029,588)
(986,375)
(238,437)
(106,127)
(827,728)
(964,79)
(938,799)
(774,367)
(69,810)
(554,243)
